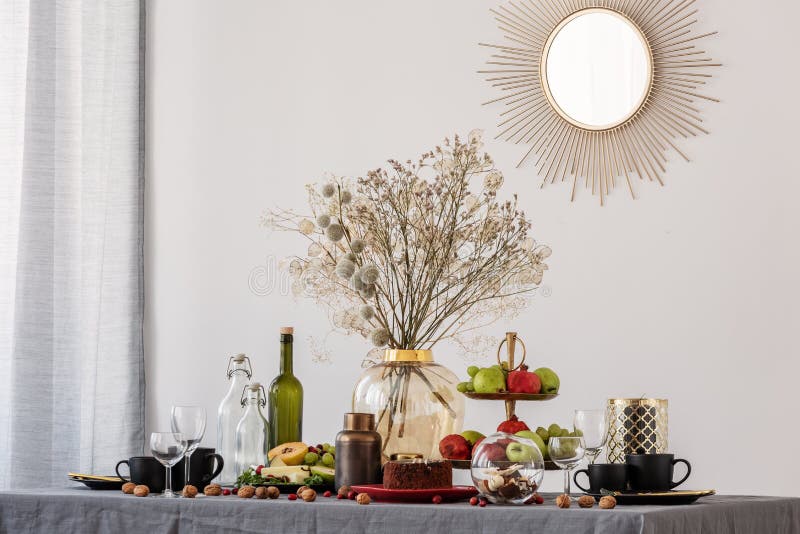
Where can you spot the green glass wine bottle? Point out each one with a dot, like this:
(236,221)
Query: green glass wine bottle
(285,398)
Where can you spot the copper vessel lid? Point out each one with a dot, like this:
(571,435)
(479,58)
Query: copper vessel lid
(359,421)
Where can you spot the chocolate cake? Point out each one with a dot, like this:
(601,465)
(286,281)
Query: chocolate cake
(418,474)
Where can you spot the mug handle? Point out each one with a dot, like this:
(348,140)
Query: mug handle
(220,463)
(117,469)
(575,479)
(688,472)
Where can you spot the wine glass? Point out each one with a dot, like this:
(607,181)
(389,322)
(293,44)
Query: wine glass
(566,452)
(592,426)
(168,448)
(190,421)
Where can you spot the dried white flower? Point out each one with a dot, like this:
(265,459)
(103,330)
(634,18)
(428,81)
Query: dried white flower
(379,337)
(328,190)
(346,197)
(295,268)
(306,227)
(369,274)
(493,181)
(324,220)
(366,312)
(368,291)
(358,285)
(334,232)
(314,249)
(358,246)
(350,256)
(345,268)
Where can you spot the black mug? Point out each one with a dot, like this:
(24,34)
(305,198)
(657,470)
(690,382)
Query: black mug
(204,466)
(150,472)
(653,472)
(611,477)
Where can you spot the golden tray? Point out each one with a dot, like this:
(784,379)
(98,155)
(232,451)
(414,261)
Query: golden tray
(511,396)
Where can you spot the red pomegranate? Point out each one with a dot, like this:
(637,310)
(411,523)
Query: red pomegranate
(512,426)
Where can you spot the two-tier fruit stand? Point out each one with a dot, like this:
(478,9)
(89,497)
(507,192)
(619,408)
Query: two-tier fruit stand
(509,398)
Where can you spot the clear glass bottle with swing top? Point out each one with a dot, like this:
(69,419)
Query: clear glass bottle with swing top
(230,413)
(252,432)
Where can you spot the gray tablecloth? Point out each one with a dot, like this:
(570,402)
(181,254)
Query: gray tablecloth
(83,510)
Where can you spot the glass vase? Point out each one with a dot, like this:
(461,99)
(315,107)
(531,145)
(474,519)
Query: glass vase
(414,400)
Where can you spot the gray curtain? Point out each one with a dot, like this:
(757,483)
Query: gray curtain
(71,227)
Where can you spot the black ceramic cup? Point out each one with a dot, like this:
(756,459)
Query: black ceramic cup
(204,466)
(653,472)
(150,472)
(611,477)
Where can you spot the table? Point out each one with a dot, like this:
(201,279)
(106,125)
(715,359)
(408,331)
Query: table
(83,510)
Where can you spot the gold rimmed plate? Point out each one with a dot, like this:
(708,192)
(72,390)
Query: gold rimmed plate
(97,482)
(674,497)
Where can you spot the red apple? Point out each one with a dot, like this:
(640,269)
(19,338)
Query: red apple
(495,452)
(475,447)
(455,447)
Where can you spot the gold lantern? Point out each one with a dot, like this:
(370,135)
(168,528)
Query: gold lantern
(636,426)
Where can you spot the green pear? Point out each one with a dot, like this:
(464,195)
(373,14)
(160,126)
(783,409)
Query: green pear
(472,436)
(489,380)
(549,379)
(534,437)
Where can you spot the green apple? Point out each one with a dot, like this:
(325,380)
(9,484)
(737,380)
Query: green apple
(472,370)
(519,452)
(472,436)
(489,380)
(534,437)
(549,379)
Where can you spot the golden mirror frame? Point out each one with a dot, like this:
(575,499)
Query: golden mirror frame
(600,157)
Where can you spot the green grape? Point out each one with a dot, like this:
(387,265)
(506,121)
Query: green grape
(470,386)
(310,458)
(462,386)
(328,459)
(472,370)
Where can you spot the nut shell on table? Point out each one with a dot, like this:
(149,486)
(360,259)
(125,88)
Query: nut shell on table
(308,495)
(273,492)
(189,491)
(344,490)
(213,490)
(363,498)
(586,501)
(607,502)
(127,488)
(563,501)
(261,492)
(141,490)
(301,489)
(246,492)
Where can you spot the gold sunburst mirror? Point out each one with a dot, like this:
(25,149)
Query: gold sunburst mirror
(602,90)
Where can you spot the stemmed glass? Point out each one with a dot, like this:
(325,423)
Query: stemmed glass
(592,426)
(566,452)
(168,448)
(190,421)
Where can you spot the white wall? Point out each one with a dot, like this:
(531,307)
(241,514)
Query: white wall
(689,293)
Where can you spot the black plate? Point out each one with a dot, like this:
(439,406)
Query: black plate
(292,488)
(665,498)
(99,484)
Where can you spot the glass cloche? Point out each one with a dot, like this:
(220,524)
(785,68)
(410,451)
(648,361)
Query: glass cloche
(414,400)
(507,469)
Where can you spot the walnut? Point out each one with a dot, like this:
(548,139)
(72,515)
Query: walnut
(344,490)
(189,491)
(245,492)
(261,492)
(273,492)
(607,502)
(562,501)
(127,488)
(301,489)
(141,490)
(308,495)
(213,490)
(363,498)
(586,501)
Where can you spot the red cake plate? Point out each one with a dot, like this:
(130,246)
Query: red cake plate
(379,493)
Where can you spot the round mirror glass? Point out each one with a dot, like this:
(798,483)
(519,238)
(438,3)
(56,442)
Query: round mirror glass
(597,69)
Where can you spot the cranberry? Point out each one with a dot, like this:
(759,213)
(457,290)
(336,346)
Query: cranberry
(292,497)
(341,496)
(437,499)
(474,501)
(258,469)
(235,491)
(327,494)
(538,499)
(226,491)
(352,495)
(482,504)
